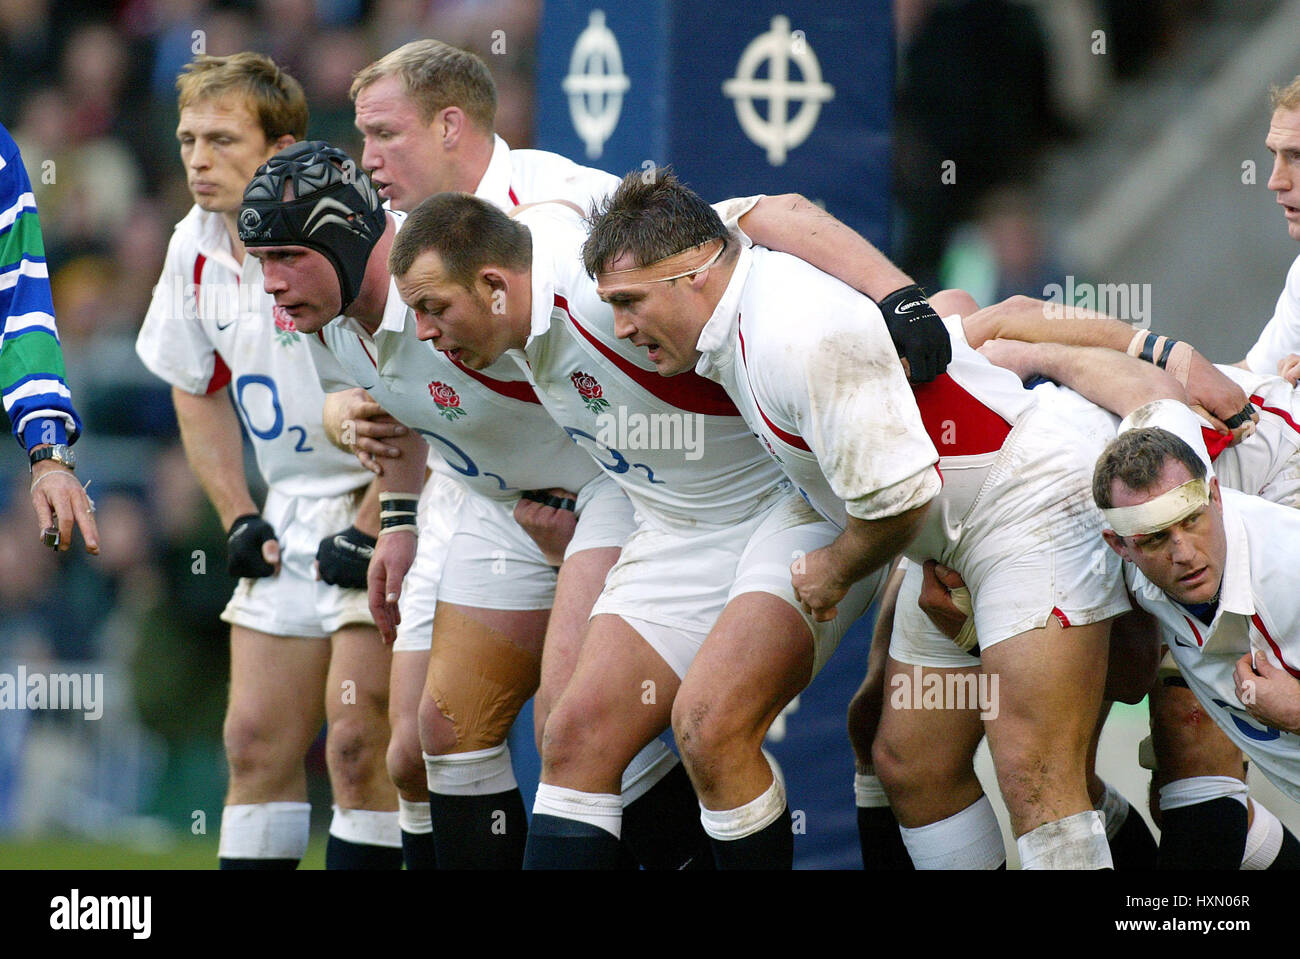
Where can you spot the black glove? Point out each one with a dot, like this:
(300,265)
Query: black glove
(244,547)
(343,558)
(917,332)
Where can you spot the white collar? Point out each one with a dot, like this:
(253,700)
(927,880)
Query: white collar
(495,185)
(716,334)
(213,239)
(543,289)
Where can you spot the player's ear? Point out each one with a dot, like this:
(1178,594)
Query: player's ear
(451,125)
(1215,496)
(496,281)
(1115,542)
(284,140)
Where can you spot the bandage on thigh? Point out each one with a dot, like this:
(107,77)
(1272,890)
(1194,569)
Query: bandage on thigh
(479,678)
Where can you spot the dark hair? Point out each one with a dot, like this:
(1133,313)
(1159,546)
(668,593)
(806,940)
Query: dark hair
(651,215)
(467,234)
(1137,458)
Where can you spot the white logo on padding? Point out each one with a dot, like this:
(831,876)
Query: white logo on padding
(320,215)
(595,84)
(777,48)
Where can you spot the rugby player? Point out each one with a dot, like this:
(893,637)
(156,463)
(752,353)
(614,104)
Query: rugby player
(301,651)
(816,391)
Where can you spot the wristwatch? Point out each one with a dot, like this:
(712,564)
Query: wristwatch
(59,452)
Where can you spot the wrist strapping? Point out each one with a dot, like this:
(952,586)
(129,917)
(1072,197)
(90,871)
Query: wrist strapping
(398,511)
(1173,356)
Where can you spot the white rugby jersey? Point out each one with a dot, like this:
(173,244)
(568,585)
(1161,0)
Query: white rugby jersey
(677,445)
(531,176)
(1281,335)
(1259,610)
(1268,462)
(211,325)
(822,387)
(488,426)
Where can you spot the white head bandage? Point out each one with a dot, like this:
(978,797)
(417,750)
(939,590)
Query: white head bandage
(688,262)
(1159,512)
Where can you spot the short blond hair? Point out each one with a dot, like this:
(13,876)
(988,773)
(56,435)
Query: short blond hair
(437,75)
(1287,97)
(273,96)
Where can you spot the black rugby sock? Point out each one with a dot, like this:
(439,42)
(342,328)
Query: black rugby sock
(1133,846)
(1206,835)
(662,828)
(772,847)
(479,832)
(881,842)
(345,854)
(419,851)
(558,843)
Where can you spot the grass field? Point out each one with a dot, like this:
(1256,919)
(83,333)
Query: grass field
(198,853)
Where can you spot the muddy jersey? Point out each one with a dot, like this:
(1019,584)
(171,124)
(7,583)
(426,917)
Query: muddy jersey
(677,445)
(210,325)
(811,366)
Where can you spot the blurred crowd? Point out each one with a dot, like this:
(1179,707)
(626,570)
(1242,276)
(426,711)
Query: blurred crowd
(87,89)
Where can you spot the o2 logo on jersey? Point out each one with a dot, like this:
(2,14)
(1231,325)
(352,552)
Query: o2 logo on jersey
(459,460)
(611,459)
(1246,727)
(258,399)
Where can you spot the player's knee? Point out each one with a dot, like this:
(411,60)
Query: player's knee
(1188,742)
(404,762)
(708,734)
(354,746)
(571,738)
(253,751)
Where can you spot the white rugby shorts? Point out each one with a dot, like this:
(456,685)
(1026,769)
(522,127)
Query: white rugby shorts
(295,602)
(672,585)
(1030,545)
(440,512)
(493,564)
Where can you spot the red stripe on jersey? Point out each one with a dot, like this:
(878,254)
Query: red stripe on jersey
(687,391)
(367,351)
(1064,620)
(513,199)
(958,424)
(789,439)
(198,277)
(1195,632)
(1259,624)
(220,374)
(519,390)
(1259,401)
